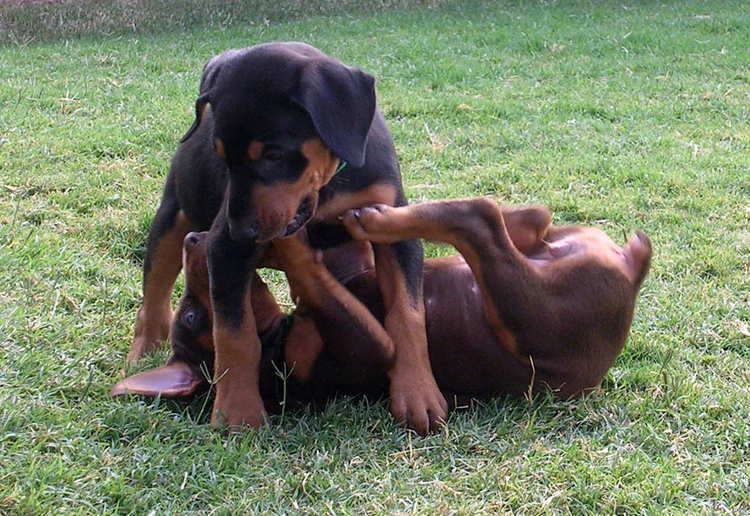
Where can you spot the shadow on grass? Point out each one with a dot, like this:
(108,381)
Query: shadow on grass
(369,414)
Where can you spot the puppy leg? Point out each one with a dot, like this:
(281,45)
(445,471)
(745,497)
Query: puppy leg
(160,269)
(350,332)
(512,290)
(237,348)
(415,397)
(266,310)
(525,226)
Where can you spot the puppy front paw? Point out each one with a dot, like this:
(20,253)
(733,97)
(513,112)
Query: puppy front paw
(151,330)
(238,412)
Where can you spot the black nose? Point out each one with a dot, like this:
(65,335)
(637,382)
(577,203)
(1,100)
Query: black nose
(191,239)
(241,231)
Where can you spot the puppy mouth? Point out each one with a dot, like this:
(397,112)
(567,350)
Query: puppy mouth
(305,211)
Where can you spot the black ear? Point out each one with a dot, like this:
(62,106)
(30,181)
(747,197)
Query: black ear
(341,103)
(208,79)
(200,106)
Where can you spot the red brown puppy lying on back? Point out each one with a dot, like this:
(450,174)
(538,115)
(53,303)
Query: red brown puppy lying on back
(527,306)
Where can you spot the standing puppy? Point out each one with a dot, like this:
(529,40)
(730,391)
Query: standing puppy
(274,124)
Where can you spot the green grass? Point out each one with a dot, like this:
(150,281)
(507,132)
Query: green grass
(46,20)
(622,115)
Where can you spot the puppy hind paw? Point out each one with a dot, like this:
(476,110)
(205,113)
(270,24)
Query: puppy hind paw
(368,223)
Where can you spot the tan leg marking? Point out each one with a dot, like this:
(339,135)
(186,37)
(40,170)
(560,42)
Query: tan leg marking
(237,372)
(266,310)
(303,345)
(317,289)
(155,315)
(415,397)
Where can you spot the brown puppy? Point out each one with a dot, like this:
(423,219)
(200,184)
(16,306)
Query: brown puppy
(528,306)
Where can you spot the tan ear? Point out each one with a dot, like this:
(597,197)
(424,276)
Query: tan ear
(170,381)
(527,225)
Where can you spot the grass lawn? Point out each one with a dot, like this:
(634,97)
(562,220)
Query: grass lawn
(618,114)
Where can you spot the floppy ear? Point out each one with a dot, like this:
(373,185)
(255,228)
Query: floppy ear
(200,106)
(341,102)
(170,381)
(208,79)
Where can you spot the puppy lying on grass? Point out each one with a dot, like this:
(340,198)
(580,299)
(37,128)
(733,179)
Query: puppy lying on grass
(526,306)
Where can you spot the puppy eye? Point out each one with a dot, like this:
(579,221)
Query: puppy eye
(188,318)
(273,154)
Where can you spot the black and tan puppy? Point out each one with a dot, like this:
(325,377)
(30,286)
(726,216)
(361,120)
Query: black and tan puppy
(527,306)
(274,124)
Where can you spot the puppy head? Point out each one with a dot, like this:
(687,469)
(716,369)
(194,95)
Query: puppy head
(285,115)
(597,279)
(191,331)
(192,344)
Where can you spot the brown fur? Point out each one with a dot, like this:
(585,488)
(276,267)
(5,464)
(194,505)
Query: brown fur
(499,320)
